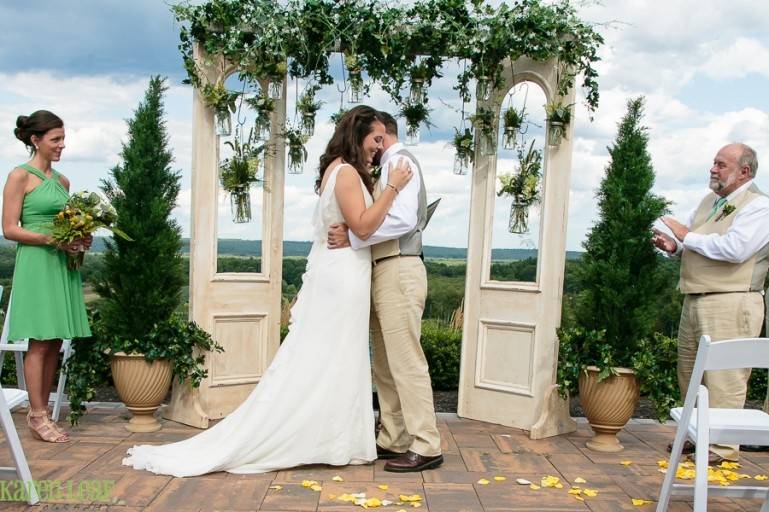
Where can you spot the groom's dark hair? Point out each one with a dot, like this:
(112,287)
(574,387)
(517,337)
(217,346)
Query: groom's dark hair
(391,125)
(347,143)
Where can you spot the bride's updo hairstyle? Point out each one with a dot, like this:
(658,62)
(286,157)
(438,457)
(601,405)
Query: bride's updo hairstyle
(37,123)
(347,143)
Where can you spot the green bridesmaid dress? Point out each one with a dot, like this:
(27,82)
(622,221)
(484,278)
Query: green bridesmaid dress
(47,298)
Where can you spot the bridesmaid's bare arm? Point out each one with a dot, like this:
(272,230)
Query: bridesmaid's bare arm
(13,198)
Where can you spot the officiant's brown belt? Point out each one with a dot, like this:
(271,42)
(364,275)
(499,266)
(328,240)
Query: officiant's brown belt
(380,260)
(721,293)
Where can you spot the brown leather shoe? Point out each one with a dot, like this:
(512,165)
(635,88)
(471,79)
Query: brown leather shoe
(411,461)
(385,454)
(688,448)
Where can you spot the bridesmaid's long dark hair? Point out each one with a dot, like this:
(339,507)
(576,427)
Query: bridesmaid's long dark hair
(347,143)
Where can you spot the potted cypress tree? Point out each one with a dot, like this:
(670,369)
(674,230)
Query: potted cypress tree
(141,281)
(620,283)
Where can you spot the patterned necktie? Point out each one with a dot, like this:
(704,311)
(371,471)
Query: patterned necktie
(717,206)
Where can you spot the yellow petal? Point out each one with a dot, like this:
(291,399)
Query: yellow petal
(347,497)
(729,465)
(626,462)
(591,493)
(761,477)
(534,487)
(372,503)
(500,478)
(575,490)
(580,498)
(309,483)
(416,505)
(384,487)
(338,478)
(662,463)
(558,486)
(639,503)
(580,480)
(483,481)
(316,487)
(276,487)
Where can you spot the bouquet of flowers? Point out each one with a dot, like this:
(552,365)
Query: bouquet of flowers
(84,213)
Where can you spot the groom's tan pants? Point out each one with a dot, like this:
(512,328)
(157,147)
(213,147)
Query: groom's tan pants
(406,411)
(721,316)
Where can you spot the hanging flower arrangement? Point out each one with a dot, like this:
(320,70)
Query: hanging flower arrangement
(239,172)
(297,154)
(354,72)
(308,106)
(414,114)
(422,75)
(523,187)
(513,120)
(465,148)
(223,102)
(558,118)
(264,106)
(485,125)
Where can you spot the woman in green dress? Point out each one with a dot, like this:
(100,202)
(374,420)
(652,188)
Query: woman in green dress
(47,299)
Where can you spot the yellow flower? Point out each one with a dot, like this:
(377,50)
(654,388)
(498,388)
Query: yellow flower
(551,481)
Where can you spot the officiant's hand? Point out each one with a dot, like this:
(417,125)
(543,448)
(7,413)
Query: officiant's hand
(661,241)
(678,229)
(338,237)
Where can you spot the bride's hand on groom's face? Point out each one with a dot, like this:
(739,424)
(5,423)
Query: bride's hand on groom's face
(338,237)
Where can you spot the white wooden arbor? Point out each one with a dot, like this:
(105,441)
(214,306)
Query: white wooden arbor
(509,350)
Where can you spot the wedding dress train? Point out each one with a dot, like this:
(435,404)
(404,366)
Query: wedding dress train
(313,404)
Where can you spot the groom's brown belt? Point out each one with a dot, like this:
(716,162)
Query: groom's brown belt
(380,260)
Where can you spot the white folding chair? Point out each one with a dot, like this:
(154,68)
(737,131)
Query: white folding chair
(706,426)
(10,398)
(18,348)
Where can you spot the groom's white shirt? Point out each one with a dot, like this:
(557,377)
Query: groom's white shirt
(402,216)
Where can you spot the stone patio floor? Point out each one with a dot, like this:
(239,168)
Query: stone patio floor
(473,451)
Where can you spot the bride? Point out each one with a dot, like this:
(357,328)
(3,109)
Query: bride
(313,404)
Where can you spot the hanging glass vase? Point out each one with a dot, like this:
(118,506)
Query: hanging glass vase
(488,144)
(519,217)
(223,123)
(296,158)
(484,88)
(356,87)
(308,124)
(275,89)
(509,139)
(262,128)
(461,163)
(412,134)
(240,204)
(555,133)
(418,93)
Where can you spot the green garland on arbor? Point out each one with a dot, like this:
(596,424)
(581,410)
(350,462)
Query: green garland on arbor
(264,39)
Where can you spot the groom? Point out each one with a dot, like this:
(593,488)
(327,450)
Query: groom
(409,437)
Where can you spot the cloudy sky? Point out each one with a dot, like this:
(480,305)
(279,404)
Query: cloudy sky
(703,66)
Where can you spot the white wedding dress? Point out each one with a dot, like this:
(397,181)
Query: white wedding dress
(313,404)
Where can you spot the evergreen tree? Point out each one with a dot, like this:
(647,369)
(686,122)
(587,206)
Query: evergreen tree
(142,279)
(618,273)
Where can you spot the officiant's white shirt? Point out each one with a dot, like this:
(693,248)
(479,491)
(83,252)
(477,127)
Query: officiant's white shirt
(402,216)
(748,233)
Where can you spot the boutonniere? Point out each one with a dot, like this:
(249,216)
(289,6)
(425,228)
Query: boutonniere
(726,211)
(376,172)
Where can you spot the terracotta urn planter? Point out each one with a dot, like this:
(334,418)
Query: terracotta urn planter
(142,386)
(608,405)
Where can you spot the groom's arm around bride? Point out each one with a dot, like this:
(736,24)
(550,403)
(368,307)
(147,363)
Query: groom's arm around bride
(409,435)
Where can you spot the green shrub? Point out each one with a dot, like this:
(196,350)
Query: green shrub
(656,365)
(443,348)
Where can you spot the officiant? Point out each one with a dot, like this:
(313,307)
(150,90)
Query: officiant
(723,246)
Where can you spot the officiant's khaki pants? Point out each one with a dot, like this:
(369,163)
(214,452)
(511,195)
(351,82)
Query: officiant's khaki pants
(407,414)
(721,316)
